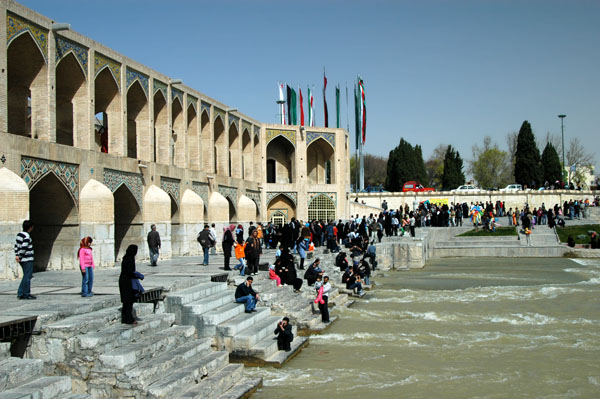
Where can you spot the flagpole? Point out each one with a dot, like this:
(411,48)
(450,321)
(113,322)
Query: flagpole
(347,123)
(362,159)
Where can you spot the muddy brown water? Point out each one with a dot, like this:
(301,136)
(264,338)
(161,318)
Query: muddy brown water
(460,328)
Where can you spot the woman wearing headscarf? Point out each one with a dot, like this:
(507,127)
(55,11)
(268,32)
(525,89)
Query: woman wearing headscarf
(86,263)
(227,243)
(125,287)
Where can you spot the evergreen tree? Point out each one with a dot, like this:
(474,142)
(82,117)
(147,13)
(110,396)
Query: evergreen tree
(453,175)
(527,159)
(420,166)
(405,163)
(551,164)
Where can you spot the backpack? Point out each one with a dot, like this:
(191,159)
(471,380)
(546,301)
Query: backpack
(203,239)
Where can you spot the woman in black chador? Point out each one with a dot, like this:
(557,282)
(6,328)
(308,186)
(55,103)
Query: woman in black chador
(125,287)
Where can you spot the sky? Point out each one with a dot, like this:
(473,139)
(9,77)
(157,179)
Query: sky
(435,72)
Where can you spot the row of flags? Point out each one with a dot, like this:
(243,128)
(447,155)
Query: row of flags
(289,107)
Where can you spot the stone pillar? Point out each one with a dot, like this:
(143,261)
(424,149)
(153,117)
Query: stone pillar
(4,74)
(14,209)
(157,210)
(97,213)
(192,222)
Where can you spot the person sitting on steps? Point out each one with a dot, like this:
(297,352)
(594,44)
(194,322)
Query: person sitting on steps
(284,335)
(246,295)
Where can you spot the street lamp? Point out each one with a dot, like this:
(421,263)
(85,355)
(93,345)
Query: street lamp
(562,130)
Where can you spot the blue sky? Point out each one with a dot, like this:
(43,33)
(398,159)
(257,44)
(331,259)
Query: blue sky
(435,71)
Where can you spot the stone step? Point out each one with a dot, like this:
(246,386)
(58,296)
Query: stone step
(119,334)
(234,325)
(209,303)
(267,347)
(215,385)
(134,352)
(193,293)
(280,357)
(248,337)
(147,372)
(15,371)
(243,388)
(77,396)
(4,350)
(181,379)
(41,388)
(94,321)
(222,313)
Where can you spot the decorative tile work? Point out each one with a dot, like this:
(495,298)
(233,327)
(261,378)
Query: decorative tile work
(202,190)
(170,186)
(205,107)
(176,93)
(192,100)
(33,170)
(288,134)
(254,196)
(333,196)
(158,85)
(292,195)
(16,25)
(247,126)
(133,75)
(229,192)
(113,179)
(101,62)
(257,131)
(312,136)
(64,47)
(218,113)
(234,120)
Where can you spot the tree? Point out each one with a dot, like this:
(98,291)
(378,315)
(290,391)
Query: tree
(511,141)
(405,163)
(578,156)
(490,166)
(435,166)
(551,164)
(420,166)
(452,175)
(527,158)
(375,170)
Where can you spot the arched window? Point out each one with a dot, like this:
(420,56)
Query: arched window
(321,208)
(278,218)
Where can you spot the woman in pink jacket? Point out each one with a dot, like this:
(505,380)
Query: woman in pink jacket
(86,262)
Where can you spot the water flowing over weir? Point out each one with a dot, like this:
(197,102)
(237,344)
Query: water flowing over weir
(459,328)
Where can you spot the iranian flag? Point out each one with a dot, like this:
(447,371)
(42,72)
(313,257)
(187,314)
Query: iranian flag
(363,110)
(325,99)
(311,109)
(301,108)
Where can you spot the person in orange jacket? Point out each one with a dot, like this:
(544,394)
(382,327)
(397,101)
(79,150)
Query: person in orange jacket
(240,254)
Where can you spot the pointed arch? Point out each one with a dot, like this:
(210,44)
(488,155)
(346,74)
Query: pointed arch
(221,159)
(161,136)
(282,204)
(247,156)
(205,142)
(128,220)
(320,162)
(321,207)
(235,158)
(193,141)
(138,119)
(108,102)
(257,161)
(71,101)
(177,134)
(280,161)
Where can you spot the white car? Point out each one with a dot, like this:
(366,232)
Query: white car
(512,187)
(465,188)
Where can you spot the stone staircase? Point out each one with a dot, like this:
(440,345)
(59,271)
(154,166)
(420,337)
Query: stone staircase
(25,378)
(247,337)
(154,359)
(541,236)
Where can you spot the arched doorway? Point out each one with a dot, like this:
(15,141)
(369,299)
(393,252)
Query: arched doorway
(177,138)
(27,87)
(281,153)
(108,102)
(137,117)
(278,218)
(321,207)
(247,165)
(161,129)
(282,207)
(320,162)
(128,221)
(71,96)
(221,158)
(56,232)
(193,142)
(235,167)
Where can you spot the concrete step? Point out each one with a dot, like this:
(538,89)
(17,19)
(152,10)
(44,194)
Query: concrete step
(119,334)
(77,396)
(41,388)
(181,379)
(134,352)
(216,384)
(149,371)
(243,388)
(242,321)
(278,357)
(94,321)
(210,302)
(193,293)
(15,371)
(222,313)
(245,339)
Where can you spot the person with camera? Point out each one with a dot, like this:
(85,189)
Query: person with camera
(284,335)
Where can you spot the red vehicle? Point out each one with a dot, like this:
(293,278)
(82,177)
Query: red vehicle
(415,186)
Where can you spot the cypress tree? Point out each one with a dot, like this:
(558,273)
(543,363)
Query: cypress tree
(405,163)
(527,159)
(551,164)
(453,175)
(421,171)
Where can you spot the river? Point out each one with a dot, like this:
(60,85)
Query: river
(459,328)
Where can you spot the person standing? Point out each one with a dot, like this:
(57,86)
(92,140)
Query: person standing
(323,307)
(86,263)
(253,252)
(227,244)
(125,286)
(153,244)
(213,237)
(24,257)
(206,241)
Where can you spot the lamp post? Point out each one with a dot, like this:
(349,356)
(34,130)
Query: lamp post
(562,131)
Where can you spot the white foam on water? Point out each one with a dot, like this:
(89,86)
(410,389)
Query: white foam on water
(594,380)
(523,319)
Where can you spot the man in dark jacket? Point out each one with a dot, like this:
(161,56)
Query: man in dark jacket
(253,251)
(313,272)
(153,244)
(284,335)
(245,294)
(206,241)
